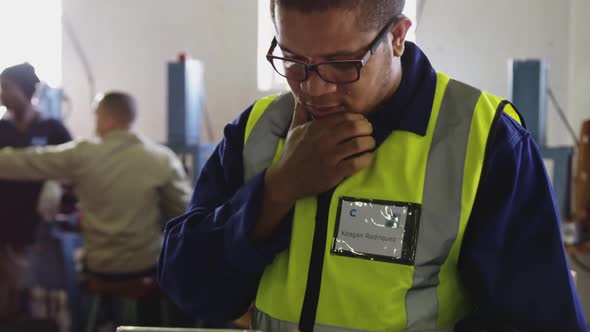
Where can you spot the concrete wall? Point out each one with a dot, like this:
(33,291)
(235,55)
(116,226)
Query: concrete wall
(129,42)
(474,44)
(580,60)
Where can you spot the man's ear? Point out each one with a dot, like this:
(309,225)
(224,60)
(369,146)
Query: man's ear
(399,32)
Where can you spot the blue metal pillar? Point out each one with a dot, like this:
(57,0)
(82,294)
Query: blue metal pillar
(528,88)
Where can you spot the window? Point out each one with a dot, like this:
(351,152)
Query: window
(268,79)
(31,32)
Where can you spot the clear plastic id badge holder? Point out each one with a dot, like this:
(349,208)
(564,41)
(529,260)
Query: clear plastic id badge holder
(377,230)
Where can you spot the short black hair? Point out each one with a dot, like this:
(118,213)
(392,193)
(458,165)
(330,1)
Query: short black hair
(120,105)
(375,14)
(23,75)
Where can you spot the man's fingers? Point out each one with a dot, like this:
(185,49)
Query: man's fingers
(300,116)
(351,129)
(349,167)
(355,146)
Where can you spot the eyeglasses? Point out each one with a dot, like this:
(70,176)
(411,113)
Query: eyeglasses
(338,72)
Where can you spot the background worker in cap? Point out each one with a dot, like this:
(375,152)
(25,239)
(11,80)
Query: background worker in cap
(21,126)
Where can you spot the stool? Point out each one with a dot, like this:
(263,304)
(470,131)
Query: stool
(129,292)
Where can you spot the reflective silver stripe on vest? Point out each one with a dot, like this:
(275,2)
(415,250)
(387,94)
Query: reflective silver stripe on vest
(443,186)
(262,143)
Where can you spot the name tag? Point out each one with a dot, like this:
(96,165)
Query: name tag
(376,230)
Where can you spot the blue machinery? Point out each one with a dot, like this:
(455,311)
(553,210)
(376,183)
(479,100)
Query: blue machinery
(529,92)
(186,107)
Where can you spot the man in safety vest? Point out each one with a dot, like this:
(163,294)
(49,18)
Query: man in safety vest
(378,194)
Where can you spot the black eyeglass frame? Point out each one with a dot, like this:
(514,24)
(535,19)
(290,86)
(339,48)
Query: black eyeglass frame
(358,63)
